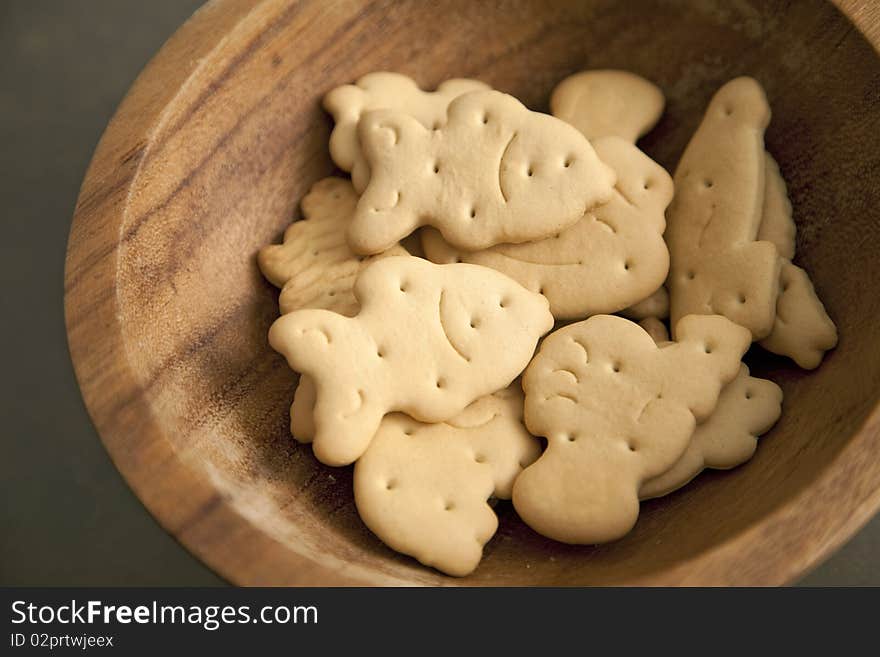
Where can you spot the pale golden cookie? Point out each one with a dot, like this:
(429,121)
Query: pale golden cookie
(616,410)
(777,224)
(655,305)
(608,102)
(302,410)
(314,266)
(613,257)
(383,90)
(717,266)
(496,172)
(747,408)
(315,269)
(423,488)
(428,340)
(802,330)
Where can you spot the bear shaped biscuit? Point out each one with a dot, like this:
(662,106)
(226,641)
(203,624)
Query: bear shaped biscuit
(428,340)
(384,90)
(613,257)
(608,102)
(803,331)
(713,221)
(496,172)
(616,410)
(423,488)
(747,408)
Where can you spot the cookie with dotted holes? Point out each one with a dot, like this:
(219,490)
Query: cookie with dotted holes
(428,340)
(718,265)
(602,103)
(384,90)
(616,410)
(611,258)
(423,488)
(495,172)
(747,408)
(315,269)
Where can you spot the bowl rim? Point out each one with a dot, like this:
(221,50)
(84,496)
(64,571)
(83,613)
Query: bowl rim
(845,496)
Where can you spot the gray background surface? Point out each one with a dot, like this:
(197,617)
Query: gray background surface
(66,515)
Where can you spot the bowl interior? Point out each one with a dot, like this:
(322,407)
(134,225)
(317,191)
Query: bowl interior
(244,139)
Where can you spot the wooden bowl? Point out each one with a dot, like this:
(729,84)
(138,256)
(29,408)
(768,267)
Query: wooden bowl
(223,133)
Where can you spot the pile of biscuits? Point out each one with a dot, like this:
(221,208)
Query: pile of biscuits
(415,294)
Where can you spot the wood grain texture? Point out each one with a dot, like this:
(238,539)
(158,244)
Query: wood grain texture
(865,14)
(222,134)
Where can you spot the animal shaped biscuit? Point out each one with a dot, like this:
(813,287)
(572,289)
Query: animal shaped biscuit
(608,102)
(422,488)
(428,340)
(613,257)
(496,172)
(315,269)
(777,225)
(389,91)
(314,266)
(747,408)
(713,221)
(616,410)
(802,329)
